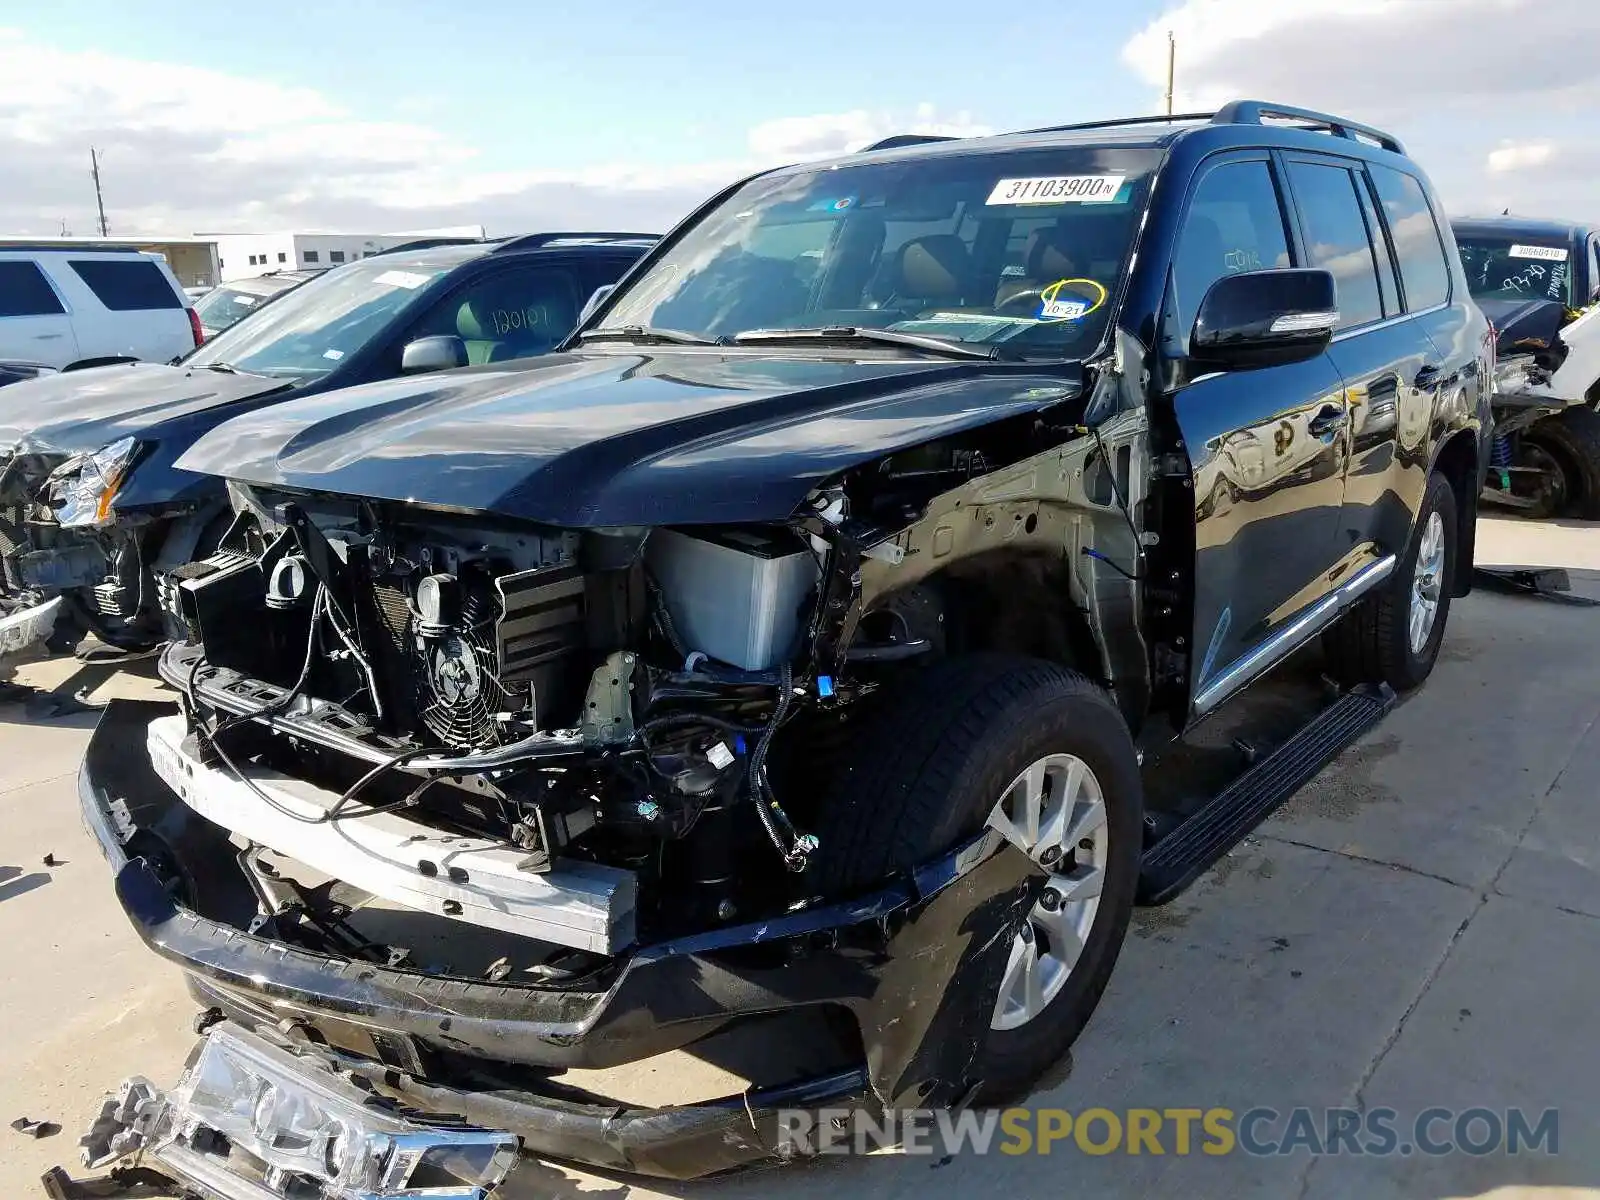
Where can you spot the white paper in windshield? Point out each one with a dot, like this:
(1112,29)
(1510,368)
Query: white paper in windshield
(1057,189)
(1545,253)
(244,301)
(409,280)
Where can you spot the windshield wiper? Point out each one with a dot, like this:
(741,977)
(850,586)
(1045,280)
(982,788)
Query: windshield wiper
(644,333)
(949,347)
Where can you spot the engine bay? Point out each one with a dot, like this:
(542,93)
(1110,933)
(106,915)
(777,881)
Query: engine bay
(530,688)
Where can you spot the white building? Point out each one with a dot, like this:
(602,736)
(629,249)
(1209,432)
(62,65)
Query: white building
(242,255)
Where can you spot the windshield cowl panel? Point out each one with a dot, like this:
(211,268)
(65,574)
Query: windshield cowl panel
(1021,251)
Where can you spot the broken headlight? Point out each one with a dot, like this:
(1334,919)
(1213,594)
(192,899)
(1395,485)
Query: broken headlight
(306,1128)
(81,491)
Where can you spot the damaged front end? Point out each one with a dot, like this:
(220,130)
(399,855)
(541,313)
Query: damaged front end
(69,562)
(478,806)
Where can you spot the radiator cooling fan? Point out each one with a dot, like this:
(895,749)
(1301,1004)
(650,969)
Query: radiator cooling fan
(459,693)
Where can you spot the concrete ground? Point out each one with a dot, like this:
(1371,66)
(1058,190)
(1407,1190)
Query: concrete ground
(1419,927)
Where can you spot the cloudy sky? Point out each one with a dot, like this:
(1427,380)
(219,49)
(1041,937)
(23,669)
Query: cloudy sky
(410,114)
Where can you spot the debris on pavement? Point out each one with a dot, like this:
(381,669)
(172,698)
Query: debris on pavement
(28,1127)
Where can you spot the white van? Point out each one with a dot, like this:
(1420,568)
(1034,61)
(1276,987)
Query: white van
(62,307)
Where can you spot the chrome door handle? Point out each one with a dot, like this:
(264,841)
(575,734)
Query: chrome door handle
(1329,420)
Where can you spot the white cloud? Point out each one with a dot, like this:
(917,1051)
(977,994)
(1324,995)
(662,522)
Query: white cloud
(192,148)
(1496,98)
(1511,156)
(794,139)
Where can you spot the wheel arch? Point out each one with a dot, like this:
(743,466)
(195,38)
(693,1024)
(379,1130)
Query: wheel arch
(1457,459)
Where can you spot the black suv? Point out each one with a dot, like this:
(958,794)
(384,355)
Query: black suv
(92,511)
(781,647)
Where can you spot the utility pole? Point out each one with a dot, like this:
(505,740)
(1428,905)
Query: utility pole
(100,201)
(1172,67)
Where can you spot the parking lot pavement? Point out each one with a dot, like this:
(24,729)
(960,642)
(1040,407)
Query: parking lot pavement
(1418,928)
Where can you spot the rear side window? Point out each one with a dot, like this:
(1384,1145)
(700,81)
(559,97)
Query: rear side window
(136,285)
(1417,242)
(1234,224)
(25,292)
(1336,238)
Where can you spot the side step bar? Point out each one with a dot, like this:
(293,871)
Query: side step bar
(1179,858)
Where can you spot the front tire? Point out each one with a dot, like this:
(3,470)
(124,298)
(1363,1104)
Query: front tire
(1041,754)
(1572,440)
(1393,636)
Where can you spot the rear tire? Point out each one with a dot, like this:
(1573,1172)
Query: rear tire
(1572,438)
(1375,642)
(931,767)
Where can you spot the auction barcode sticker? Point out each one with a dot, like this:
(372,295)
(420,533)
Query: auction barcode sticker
(1057,189)
(1547,253)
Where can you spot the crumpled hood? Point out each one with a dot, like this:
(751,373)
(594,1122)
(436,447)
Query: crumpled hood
(593,438)
(80,411)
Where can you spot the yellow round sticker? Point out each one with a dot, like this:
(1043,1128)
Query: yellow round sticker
(1056,309)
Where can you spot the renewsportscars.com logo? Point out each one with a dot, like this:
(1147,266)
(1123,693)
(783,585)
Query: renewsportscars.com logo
(1261,1132)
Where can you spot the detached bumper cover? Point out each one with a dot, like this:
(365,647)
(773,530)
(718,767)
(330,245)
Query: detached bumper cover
(916,964)
(25,629)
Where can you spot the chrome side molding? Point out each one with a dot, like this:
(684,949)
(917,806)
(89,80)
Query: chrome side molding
(1257,662)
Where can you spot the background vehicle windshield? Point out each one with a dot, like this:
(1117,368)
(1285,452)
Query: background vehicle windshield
(307,333)
(1507,267)
(1024,248)
(222,306)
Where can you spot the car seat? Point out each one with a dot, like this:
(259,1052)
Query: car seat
(932,271)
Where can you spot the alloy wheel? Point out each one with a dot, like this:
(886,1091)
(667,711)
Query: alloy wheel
(1055,812)
(1427,583)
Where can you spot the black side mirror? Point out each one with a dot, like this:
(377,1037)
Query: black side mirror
(439,353)
(1265,318)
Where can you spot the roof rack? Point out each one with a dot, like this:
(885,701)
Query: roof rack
(533,241)
(427,244)
(1159,119)
(1257,112)
(906,139)
(1247,112)
(68,247)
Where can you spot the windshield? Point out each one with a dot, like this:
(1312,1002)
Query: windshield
(303,335)
(1508,267)
(221,307)
(1020,248)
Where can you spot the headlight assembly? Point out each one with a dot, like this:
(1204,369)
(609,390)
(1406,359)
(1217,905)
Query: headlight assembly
(81,491)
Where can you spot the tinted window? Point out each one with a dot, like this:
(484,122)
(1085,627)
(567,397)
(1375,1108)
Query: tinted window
(336,256)
(136,285)
(512,313)
(311,256)
(1336,238)
(1417,243)
(1380,243)
(1594,271)
(916,245)
(25,292)
(1234,224)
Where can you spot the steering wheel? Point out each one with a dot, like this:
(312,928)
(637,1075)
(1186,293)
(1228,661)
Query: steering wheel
(1093,294)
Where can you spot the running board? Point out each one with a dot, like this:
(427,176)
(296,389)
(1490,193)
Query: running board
(1180,857)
